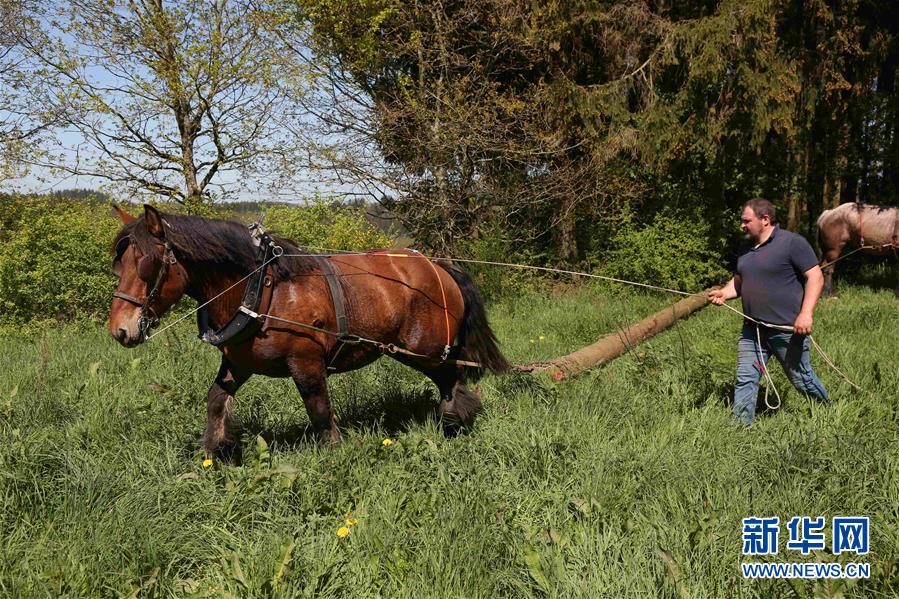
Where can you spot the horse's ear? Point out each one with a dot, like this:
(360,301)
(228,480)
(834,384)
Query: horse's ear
(123,216)
(154,221)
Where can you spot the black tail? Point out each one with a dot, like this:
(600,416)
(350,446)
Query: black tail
(475,338)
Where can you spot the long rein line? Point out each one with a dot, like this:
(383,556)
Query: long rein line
(392,348)
(818,348)
(858,249)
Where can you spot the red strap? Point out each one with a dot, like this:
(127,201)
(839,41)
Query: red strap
(449,340)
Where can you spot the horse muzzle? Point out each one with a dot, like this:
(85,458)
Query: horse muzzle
(128,339)
(128,331)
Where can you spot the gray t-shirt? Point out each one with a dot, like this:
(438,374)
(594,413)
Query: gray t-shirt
(773,285)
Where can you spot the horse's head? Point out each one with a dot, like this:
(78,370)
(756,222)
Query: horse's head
(151,280)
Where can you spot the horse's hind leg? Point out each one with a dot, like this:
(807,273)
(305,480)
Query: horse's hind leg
(458,404)
(310,378)
(217,439)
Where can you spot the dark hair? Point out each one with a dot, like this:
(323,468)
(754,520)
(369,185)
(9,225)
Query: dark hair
(212,243)
(761,207)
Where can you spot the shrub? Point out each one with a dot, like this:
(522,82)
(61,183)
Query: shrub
(54,260)
(326,226)
(494,282)
(676,249)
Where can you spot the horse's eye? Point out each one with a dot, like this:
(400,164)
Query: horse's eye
(117,268)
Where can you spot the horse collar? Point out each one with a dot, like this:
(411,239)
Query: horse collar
(256,297)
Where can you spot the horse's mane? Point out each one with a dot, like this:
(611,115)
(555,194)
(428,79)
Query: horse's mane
(212,243)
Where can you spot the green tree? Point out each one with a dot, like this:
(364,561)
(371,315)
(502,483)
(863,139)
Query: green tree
(54,259)
(182,99)
(22,128)
(461,100)
(549,120)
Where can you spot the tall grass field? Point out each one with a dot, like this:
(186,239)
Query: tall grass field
(629,481)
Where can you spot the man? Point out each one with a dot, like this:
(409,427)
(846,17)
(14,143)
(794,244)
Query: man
(780,282)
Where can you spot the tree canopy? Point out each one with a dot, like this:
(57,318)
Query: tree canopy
(557,127)
(164,97)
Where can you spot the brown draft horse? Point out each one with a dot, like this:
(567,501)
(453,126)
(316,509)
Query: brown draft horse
(395,299)
(874,229)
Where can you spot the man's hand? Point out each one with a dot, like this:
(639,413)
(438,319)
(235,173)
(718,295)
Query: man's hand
(717,297)
(729,291)
(814,283)
(803,324)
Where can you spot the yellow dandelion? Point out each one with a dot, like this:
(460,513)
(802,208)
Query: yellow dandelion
(387,442)
(343,531)
(541,337)
(207,463)
(531,340)
(352,521)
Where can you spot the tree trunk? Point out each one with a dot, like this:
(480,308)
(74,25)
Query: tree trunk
(615,344)
(568,230)
(794,196)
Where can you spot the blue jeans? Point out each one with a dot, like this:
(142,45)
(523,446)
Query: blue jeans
(791,351)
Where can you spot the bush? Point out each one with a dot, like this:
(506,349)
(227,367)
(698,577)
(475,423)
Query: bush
(495,282)
(55,252)
(676,249)
(326,226)
(54,259)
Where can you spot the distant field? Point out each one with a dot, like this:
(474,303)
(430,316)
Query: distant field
(631,480)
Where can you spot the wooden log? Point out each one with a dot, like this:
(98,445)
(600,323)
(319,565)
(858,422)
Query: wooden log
(615,344)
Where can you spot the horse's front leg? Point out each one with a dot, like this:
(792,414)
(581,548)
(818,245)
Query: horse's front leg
(830,256)
(310,376)
(218,409)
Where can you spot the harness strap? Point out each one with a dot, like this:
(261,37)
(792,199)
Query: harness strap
(129,298)
(384,347)
(257,297)
(337,298)
(147,318)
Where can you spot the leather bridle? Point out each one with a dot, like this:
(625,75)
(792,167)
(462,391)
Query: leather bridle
(148,317)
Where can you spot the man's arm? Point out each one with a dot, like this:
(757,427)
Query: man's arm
(730,290)
(814,283)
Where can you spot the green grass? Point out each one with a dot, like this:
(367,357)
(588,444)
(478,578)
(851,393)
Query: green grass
(631,480)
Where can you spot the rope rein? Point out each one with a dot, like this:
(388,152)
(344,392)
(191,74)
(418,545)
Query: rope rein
(763,366)
(393,349)
(858,249)
(788,328)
